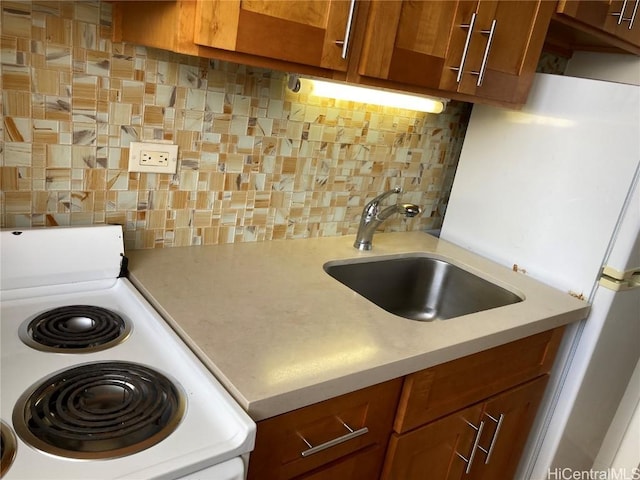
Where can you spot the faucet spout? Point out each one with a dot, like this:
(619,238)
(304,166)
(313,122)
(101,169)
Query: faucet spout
(407,209)
(372,217)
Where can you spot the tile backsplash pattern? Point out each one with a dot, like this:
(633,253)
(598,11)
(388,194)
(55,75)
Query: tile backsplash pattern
(256,161)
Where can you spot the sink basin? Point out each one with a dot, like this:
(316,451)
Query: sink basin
(420,287)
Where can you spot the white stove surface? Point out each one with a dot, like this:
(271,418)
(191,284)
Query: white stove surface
(214,428)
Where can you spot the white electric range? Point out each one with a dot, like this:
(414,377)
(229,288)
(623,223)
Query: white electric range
(94,383)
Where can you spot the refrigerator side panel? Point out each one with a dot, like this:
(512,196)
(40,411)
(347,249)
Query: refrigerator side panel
(621,446)
(612,359)
(542,188)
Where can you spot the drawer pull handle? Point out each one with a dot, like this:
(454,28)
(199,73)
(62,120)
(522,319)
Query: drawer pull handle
(466,47)
(495,435)
(336,441)
(347,33)
(476,441)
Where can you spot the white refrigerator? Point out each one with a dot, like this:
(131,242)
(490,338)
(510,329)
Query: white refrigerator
(552,191)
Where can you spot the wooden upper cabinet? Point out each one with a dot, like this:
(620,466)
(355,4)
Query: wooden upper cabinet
(620,18)
(469,50)
(487,49)
(308,32)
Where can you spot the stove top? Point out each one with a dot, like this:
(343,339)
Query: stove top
(95,384)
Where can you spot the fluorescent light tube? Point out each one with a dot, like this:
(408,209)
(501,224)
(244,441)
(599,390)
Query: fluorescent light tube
(374,96)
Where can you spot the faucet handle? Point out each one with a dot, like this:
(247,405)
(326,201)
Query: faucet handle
(382,196)
(371,208)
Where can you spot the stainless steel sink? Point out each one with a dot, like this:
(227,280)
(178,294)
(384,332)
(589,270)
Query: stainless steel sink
(420,287)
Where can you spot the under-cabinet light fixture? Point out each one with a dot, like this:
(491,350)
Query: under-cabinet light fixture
(343,91)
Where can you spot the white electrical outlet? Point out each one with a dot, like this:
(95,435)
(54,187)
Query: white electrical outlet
(153,157)
(156,159)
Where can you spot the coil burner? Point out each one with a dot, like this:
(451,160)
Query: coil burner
(99,410)
(7,448)
(75,328)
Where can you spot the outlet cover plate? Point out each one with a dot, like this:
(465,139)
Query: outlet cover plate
(143,154)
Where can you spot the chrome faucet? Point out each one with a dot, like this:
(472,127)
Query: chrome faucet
(372,217)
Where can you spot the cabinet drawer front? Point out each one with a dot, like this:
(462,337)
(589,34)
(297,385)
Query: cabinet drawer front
(364,464)
(438,391)
(306,439)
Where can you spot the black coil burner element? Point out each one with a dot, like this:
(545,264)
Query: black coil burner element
(75,328)
(99,410)
(7,447)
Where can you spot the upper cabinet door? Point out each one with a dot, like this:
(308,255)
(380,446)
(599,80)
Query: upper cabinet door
(309,32)
(504,47)
(623,20)
(408,41)
(620,18)
(484,48)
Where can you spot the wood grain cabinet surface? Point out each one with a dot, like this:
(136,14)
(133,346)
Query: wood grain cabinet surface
(344,437)
(484,441)
(432,393)
(308,32)
(615,20)
(485,49)
(476,410)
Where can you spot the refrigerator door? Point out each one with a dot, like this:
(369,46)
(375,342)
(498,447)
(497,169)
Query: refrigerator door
(607,353)
(543,188)
(609,346)
(621,446)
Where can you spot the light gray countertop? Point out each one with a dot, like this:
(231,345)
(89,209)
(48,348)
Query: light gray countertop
(280,333)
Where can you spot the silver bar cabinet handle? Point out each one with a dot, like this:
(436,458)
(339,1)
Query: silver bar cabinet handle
(485,58)
(472,454)
(333,442)
(620,14)
(633,14)
(347,32)
(630,19)
(495,435)
(466,47)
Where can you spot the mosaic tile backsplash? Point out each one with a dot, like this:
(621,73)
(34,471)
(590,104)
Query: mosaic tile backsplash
(256,162)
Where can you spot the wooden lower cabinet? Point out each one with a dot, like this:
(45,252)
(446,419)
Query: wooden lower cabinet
(283,443)
(464,419)
(484,441)
(514,412)
(431,452)
(362,465)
